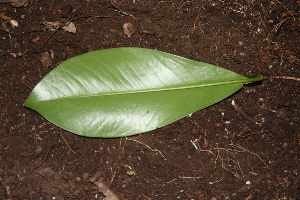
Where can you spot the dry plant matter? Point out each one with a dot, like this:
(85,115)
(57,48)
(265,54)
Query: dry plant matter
(227,158)
(109,195)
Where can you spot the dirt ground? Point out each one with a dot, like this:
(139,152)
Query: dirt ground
(218,153)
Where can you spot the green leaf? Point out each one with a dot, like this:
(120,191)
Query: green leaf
(126,91)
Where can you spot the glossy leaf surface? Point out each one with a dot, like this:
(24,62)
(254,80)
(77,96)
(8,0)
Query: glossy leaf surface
(126,91)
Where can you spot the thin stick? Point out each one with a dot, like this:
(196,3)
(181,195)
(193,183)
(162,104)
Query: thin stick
(17,77)
(195,24)
(67,143)
(278,26)
(12,22)
(239,110)
(61,24)
(106,191)
(120,10)
(53,183)
(190,177)
(102,187)
(147,147)
(216,181)
(283,77)
(237,145)
(43,160)
(2,29)
(90,16)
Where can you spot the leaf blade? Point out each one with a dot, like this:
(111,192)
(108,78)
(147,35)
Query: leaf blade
(136,92)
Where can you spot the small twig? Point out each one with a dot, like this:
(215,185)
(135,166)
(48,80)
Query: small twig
(52,183)
(283,77)
(120,10)
(109,195)
(12,22)
(43,160)
(237,145)
(195,24)
(90,16)
(216,181)
(55,30)
(96,176)
(239,110)
(185,177)
(260,15)
(5,30)
(278,26)
(217,157)
(147,147)
(237,167)
(17,77)
(67,143)
(223,165)
(190,177)
(34,171)
(67,194)
(70,19)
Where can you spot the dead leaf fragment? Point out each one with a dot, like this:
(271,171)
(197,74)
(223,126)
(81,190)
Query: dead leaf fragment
(52,25)
(45,59)
(12,22)
(128,29)
(70,27)
(7,190)
(130,173)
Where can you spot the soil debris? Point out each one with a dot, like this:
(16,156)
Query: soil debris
(192,158)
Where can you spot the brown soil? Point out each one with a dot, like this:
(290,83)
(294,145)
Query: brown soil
(217,153)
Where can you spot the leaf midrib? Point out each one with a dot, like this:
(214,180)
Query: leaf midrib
(244,81)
